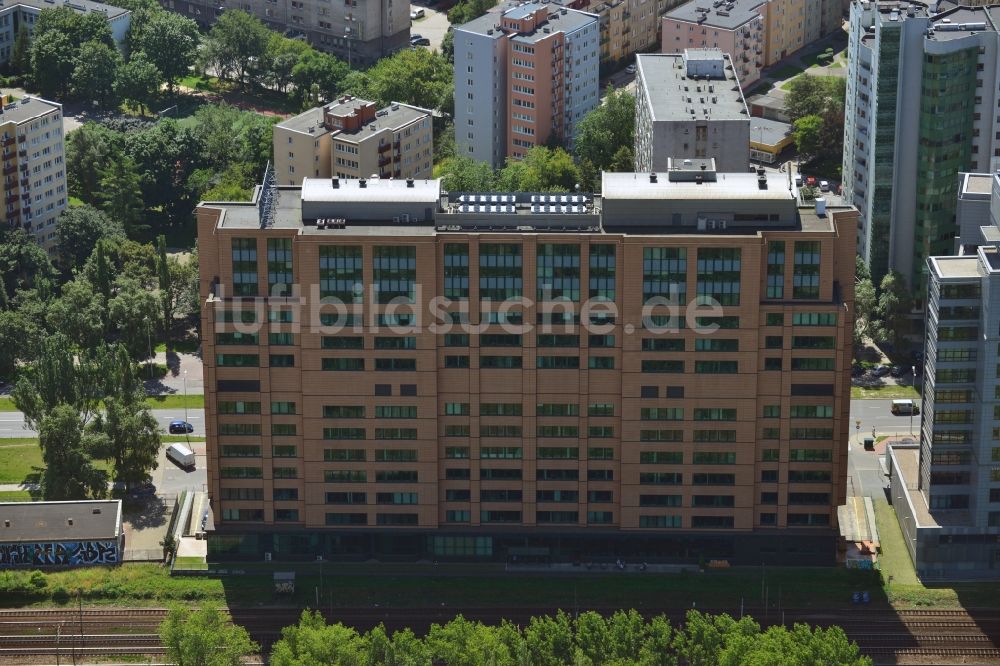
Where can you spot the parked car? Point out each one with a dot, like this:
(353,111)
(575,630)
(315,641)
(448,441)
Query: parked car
(416,14)
(811,181)
(178,427)
(630,69)
(882,371)
(896,371)
(798,180)
(181,455)
(824,186)
(417,40)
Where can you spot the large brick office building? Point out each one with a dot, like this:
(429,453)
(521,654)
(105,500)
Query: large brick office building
(385,430)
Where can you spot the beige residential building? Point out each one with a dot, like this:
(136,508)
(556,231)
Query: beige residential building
(627,26)
(34,176)
(756,33)
(351,139)
(392,370)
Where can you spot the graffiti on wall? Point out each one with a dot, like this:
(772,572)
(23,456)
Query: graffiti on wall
(58,553)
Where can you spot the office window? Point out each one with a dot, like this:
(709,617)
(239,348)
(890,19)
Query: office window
(456,271)
(558,272)
(237,360)
(775,319)
(500,275)
(394,272)
(279,265)
(602,272)
(716,367)
(235,338)
(500,409)
(244,257)
(719,275)
(775,271)
(281,360)
(343,364)
(806,272)
(664,274)
(341,273)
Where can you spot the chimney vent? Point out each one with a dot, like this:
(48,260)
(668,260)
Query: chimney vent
(335,182)
(362,183)
(409,182)
(652,177)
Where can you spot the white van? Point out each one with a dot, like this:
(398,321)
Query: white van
(181,455)
(905,408)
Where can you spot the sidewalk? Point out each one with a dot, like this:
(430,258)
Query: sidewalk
(177,364)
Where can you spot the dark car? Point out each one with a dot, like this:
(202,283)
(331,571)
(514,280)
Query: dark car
(882,371)
(142,490)
(896,371)
(178,427)
(417,40)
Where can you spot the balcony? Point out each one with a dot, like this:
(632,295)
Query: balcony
(22,138)
(9,170)
(22,153)
(24,182)
(396,144)
(384,147)
(12,198)
(382,161)
(8,142)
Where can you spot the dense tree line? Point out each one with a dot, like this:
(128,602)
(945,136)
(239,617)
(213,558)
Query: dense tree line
(815,106)
(883,314)
(623,639)
(155,174)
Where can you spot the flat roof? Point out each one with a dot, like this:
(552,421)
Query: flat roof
(977,183)
(727,186)
(392,117)
(768,132)
(28,108)
(59,521)
(672,95)
(955,267)
(560,20)
(82,6)
(729,191)
(959,21)
(732,15)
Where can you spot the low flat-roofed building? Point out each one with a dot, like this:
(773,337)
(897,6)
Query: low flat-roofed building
(75,533)
(768,139)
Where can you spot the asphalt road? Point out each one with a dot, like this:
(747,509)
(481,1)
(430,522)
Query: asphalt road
(12,423)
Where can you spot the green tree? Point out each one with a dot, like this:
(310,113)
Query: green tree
(121,195)
(313,641)
(69,472)
(865,311)
(79,27)
(138,82)
(464,174)
(127,260)
(170,42)
(164,275)
(79,314)
(88,150)
(448,45)
(130,437)
(413,76)
(542,169)
(23,263)
(204,638)
(95,73)
(52,63)
(18,336)
(20,55)
(134,315)
(58,376)
(813,95)
(467,10)
(314,68)
(606,130)
(808,131)
(282,56)
(79,229)
(895,303)
(236,45)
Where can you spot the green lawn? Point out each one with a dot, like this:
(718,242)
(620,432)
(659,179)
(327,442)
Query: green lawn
(176,401)
(16,496)
(885,392)
(354,585)
(18,459)
(75,201)
(190,563)
(180,438)
(906,590)
(182,346)
(7,404)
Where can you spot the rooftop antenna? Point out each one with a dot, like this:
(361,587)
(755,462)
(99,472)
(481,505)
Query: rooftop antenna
(268,198)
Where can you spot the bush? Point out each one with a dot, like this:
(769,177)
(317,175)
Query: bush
(38,580)
(60,594)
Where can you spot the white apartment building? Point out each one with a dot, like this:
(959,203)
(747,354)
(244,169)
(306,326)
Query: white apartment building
(34,173)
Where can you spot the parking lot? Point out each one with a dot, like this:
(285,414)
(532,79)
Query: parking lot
(434,25)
